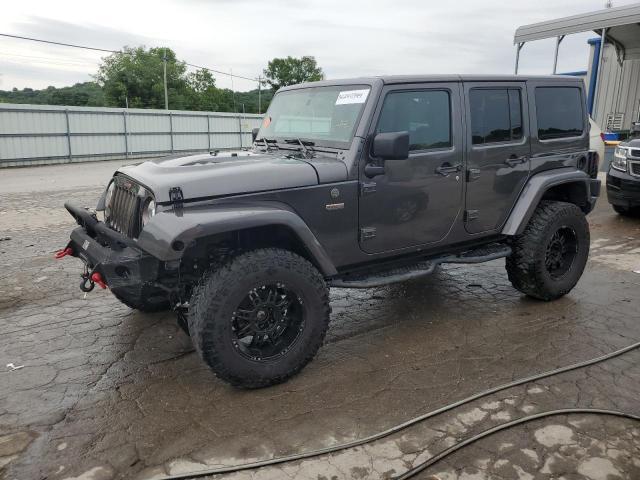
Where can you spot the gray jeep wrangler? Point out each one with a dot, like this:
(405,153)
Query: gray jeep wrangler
(350,183)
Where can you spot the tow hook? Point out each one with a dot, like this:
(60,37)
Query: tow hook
(86,284)
(89,282)
(97,278)
(63,253)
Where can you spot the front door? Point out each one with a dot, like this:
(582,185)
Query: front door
(498,152)
(416,201)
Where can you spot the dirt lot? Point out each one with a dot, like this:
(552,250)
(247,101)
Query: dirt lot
(105,392)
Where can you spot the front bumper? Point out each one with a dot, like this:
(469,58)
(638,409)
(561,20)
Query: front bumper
(127,270)
(623,189)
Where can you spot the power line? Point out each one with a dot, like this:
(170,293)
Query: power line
(59,43)
(221,72)
(84,47)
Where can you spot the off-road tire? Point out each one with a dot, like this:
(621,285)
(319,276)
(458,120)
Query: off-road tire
(526,265)
(217,296)
(144,305)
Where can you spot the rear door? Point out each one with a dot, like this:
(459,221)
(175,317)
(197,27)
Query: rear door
(417,200)
(498,158)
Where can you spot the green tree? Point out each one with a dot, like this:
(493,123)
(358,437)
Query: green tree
(203,93)
(135,75)
(281,72)
(80,94)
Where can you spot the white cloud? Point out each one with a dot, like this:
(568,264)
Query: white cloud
(347,38)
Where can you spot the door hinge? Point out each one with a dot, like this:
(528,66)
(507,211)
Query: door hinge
(470,215)
(367,233)
(367,188)
(176,196)
(473,174)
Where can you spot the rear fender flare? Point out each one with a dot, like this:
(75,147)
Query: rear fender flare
(182,227)
(535,190)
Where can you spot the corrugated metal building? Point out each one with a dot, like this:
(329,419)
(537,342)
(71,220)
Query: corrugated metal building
(44,134)
(619,91)
(613,79)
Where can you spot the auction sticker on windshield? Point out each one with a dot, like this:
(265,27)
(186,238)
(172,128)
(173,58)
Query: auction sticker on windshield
(352,96)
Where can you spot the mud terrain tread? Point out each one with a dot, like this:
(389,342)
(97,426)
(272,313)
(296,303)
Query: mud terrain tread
(524,268)
(211,291)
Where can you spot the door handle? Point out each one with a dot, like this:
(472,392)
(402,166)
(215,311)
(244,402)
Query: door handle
(446,169)
(371,170)
(514,160)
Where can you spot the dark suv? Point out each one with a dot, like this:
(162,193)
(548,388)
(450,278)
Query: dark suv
(623,177)
(350,183)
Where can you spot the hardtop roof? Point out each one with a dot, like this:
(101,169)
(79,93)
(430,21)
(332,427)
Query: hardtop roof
(403,79)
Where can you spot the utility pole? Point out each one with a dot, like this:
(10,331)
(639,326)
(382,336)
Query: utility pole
(166,97)
(259,94)
(233,92)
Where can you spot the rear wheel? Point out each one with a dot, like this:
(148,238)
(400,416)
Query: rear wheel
(550,255)
(260,318)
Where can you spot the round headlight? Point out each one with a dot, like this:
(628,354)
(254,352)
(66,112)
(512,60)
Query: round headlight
(107,199)
(148,211)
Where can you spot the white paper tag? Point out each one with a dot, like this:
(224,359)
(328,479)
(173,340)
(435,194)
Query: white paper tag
(352,96)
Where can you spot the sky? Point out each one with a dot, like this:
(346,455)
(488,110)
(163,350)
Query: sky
(347,38)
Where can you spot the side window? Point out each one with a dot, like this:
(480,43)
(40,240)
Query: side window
(559,112)
(496,115)
(425,114)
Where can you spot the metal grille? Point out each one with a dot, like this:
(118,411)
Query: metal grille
(635,153)
(124,216)
(634,168)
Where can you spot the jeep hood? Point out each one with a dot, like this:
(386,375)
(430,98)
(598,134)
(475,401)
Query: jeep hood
(236,172)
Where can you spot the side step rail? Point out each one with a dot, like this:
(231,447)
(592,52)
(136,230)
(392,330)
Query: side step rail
(420,269)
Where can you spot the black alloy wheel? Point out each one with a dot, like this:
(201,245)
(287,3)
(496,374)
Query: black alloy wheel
(561,252)
(267,322)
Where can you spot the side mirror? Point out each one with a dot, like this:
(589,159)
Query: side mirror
(391,146)
(254,134)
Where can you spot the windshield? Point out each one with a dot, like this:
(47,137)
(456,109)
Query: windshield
(326,115)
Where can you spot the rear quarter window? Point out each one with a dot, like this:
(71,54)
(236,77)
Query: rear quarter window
(559,112)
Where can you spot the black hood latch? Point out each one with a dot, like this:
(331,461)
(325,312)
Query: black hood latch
(176,196)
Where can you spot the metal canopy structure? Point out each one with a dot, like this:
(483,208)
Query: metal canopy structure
(619,26)
(622,24)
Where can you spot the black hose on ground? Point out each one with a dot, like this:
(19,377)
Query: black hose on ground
(504,426)
(408,423)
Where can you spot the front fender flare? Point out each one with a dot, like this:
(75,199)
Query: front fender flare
(535,189)
(188,224)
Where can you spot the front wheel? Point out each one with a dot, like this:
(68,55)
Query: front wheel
(259,319)
(550,255)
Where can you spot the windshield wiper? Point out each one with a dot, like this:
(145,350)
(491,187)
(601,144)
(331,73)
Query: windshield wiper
(308,152)
(269,143)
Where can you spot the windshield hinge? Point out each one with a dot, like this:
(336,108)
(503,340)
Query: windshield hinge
(176,196)
(367,188)
(367,233)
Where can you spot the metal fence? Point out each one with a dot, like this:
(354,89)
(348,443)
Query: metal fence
(45,134)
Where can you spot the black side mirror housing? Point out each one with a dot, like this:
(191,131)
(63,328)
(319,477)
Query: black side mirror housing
(391,145)
(254,134)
